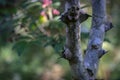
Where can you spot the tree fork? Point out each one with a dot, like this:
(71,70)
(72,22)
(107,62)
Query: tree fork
(84,69)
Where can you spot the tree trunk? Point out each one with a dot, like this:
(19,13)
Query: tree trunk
(84,69)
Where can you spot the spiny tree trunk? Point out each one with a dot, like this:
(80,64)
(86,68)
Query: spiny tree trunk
(84,68)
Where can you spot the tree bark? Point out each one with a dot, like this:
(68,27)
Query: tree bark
(99,26)
(84,69)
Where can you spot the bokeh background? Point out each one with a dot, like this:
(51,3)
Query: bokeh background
(32,38)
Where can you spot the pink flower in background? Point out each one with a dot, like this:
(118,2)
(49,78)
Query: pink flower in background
(56,12)
(46,3)
(43,13)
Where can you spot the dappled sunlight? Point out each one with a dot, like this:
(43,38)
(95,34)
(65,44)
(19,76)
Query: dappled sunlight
(107,46)
(54,73)
(7,54)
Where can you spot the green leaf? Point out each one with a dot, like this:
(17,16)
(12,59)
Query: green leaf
(56,5)
(20,47)
(33,4)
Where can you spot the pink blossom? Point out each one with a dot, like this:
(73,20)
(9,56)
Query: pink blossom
(56,12)
(46,3)
(43,13)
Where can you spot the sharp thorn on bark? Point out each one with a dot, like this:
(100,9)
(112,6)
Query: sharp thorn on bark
(102,52)
(108,26)
(84,17)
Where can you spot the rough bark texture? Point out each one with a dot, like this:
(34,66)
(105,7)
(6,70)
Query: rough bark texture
(84,69)
(99,26)
(72,50)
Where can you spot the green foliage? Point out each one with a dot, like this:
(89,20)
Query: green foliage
(115,73)
(37,37)
(56,4)
(20,47)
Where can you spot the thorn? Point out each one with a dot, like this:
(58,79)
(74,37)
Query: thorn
(106,51)
(102,52)
(109,26)
(84,17)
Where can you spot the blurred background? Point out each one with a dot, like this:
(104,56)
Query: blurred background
(32,39)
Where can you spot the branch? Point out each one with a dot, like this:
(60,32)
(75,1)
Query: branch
(99,26)
(72,50)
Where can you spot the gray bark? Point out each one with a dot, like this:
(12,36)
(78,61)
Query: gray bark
(99,26)
(84,69)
